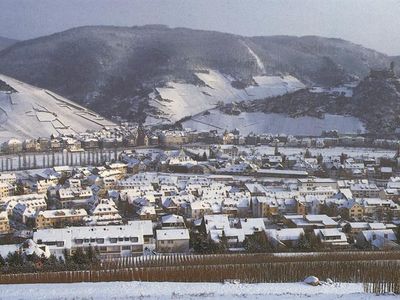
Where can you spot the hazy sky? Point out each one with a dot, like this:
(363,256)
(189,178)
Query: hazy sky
(372,23)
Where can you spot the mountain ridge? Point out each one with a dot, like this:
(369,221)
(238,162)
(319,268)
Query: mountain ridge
(114,69)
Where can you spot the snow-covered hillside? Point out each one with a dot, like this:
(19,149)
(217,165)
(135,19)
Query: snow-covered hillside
(179,100)
(175,290)
(274,123)
(32,112)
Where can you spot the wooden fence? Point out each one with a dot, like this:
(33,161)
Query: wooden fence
(378,271)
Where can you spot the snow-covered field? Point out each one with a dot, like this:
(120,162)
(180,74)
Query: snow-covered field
(182,99)
(35,112)
(170,290)
(274,123)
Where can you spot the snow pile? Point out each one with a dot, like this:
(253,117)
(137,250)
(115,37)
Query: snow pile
(274,123)
(168,290)
(33,112)
(179,100)
(312,280)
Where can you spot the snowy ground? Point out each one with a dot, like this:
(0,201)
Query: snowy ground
(182,99)
(170,290)
(274,123)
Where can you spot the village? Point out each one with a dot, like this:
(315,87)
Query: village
(192,196)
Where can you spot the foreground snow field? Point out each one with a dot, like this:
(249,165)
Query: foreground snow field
(168,290)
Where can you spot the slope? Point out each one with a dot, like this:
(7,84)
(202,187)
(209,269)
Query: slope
(30,112)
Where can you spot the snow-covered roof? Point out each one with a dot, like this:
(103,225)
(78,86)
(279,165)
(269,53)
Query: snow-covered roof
(172,234)
(168,219)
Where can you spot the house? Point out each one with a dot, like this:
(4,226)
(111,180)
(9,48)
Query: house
(353,210)
(147,212)
(59,218)
(109,182)
(230,207)
(284,238)
(31,145)
(310,222)
(314,182)
(10,178)
(372,206)
(43,185)
(172,221)
(65,171)
(27,248)
(46,174)
(24,214)
(12,146)
(6,189)
(332,237)
(263,206)
(121,167)
(105,212)
(364,190)
(4,223)
(35,201)
(173,240)
(234,230)
(317,191)
(171,138)
(74,197)
(112,241)
(352,229)
(382,239)
(198,209)
(23,208)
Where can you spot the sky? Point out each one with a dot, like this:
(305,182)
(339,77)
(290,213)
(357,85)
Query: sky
(372,23)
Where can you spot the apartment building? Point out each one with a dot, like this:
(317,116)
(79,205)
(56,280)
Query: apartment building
(111,241)
(59,218)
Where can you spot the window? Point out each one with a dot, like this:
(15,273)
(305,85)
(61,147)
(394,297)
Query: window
(100,241)
(113,240)
(86,240)
(79,241)
(126,247)
(134,239)
(126,239)
(92,240)
(121,239)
